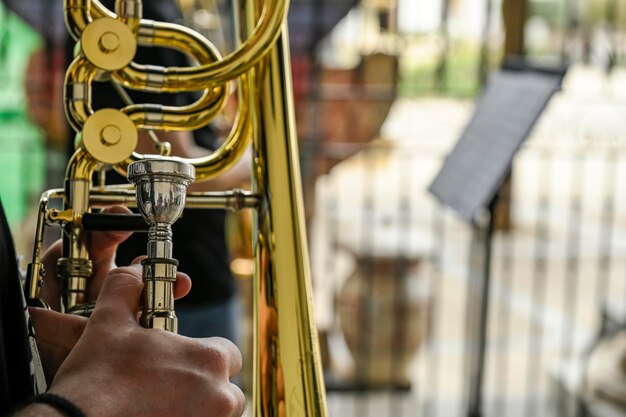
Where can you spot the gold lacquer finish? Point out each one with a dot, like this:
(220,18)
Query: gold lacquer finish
(75,267)
(108,44)
(287,374)
(288,379)
(109,136)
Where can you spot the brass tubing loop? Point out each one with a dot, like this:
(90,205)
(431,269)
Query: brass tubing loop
(287,377)
(233,147)
(249,53)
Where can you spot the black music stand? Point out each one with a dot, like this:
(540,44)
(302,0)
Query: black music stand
(473,173)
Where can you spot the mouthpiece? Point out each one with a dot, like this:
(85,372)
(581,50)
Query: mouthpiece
(161,191)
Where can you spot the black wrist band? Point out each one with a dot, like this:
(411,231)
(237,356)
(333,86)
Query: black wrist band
(59,403)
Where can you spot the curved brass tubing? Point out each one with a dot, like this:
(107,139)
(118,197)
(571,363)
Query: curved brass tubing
(98,10)
(77,101)
(167,118)
(81,166)
(238,139)
(249,54)
(180,38)
(193,78)
(232,148)
(170,35)
(79,13)
(129,12)
(77,16)
(183,118)
(81,74)
(197,78)
(189,117)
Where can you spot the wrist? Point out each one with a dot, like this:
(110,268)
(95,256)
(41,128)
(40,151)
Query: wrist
(39,410)
(50,405)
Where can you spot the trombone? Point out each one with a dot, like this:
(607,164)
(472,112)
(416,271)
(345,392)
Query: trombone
(287,377)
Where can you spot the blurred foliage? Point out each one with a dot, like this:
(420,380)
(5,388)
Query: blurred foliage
(22,157)
(551,11)
(456,74)
(599,11)
(589,12)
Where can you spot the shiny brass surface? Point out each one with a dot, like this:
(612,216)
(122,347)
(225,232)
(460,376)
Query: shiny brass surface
(75,267)
(62,216)
(108,44)
(109,136)
(287,374)
(158,295)
(77,101)
(233,200)
(266,30)
(35,272)
(286,345)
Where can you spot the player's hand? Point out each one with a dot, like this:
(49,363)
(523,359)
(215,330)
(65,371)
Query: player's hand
(115,367)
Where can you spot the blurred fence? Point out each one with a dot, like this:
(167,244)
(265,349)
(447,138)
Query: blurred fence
(562,260)
(392,268)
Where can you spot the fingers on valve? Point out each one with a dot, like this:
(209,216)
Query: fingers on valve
(183,281)
(137,260)
(183,285)
(105,240)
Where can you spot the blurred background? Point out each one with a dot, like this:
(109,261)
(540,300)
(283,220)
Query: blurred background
(420,312)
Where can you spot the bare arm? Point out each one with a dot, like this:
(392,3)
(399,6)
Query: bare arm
(184,146)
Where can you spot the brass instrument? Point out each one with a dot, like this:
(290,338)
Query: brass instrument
(287,376)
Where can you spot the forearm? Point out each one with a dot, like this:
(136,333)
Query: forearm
(184,146)
(235,177)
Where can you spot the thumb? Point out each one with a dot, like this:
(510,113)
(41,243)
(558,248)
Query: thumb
(102,249)
(104,244)
(120,296)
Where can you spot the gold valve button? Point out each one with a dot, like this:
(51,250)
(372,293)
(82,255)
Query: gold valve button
(108,44)
(109,136)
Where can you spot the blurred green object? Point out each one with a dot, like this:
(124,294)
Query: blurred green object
(419,77)
(22,167)
(22,152)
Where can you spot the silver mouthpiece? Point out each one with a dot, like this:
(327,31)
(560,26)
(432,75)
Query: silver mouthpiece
(161,191)
(161,188)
